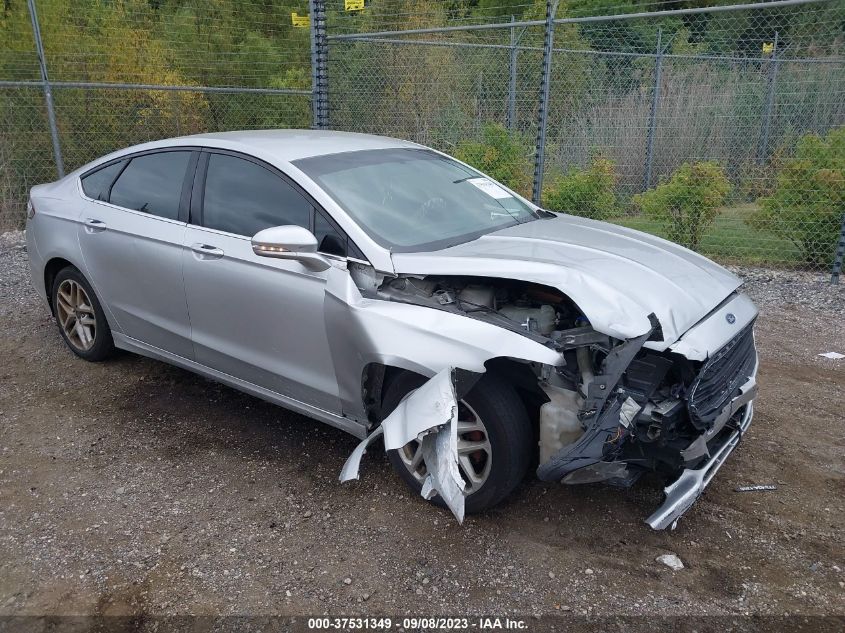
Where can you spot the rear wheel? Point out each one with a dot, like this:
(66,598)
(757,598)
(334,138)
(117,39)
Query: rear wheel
(494,441)
(80,317)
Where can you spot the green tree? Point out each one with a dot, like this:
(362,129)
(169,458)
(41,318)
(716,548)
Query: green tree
(586,192)
(500,154)
(687,203)
(809,198)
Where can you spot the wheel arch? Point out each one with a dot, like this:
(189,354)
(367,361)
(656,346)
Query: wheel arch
(377,377)
(51,269)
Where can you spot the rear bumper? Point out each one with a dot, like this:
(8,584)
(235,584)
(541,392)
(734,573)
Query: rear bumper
(36,262)
(687,488)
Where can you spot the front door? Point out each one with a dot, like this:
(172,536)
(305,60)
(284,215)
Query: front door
(255,318)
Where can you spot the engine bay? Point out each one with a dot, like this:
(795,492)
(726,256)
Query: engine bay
(536,310)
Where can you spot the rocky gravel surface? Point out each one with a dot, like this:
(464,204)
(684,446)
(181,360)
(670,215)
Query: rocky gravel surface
(782,288)
(134,488)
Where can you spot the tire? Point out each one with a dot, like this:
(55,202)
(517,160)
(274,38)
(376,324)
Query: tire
(80,317)
(508,430)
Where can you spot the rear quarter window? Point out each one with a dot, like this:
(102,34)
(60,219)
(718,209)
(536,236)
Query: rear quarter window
(96,184)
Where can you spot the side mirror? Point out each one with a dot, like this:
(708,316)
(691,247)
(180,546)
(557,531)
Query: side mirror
(290,242)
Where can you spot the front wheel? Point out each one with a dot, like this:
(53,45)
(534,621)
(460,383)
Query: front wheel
(495,441)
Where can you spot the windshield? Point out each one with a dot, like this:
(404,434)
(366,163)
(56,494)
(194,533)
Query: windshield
(411,199)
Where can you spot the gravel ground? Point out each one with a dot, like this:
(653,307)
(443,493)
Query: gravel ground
(132,487)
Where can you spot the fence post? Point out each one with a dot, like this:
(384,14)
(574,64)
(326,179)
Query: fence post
(512,79)
(48,93)
(319,64)
(774,63)
(652,114)
(543,112)
(840,254)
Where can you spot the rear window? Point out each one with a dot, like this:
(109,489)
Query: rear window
(96,185)
(152,183)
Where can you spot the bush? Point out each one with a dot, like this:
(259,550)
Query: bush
(809,198)
(501,154)
(587,192)
(687,203)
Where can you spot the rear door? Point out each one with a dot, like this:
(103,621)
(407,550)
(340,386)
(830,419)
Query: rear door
(257,318)
(131,235)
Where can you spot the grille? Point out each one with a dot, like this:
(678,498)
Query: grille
(721,377)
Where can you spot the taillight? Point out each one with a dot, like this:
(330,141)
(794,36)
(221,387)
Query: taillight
(30,210)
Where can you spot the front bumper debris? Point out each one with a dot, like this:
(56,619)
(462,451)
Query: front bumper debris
(603,408)
(428,415)
(687,488)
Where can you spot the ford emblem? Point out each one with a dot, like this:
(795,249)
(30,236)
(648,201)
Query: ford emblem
(730,318)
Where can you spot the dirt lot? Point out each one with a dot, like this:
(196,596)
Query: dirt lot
(132,487)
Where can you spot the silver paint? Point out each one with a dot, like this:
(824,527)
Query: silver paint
(617,276)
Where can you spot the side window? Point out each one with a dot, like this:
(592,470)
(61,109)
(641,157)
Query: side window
(244,198)
(329,240)
(152,183)
(96,185)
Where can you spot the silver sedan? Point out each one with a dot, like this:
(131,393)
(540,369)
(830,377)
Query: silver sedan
(394,292)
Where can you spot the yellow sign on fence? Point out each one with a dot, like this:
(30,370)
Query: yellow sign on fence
(768,48)
(300,21)
(353,5)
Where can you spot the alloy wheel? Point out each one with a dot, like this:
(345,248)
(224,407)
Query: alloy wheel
(475,455)
(76,315)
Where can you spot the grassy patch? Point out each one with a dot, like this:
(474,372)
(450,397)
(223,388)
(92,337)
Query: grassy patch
(730,239)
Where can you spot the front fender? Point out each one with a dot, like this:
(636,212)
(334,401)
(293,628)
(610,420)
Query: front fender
(417,338)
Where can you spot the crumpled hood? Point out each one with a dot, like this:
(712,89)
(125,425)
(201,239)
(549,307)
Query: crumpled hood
(617,276)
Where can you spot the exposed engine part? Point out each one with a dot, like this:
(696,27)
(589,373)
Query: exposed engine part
(600,414)
(542,319)
(537,311)
(579,337)
(559,421)
(663,413)
(477,295)
(585,366)
(644,374)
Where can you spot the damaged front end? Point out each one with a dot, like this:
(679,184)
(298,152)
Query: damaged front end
(608,409)
(658,411)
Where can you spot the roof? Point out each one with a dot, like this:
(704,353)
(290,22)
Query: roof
(274,146)
(290,145)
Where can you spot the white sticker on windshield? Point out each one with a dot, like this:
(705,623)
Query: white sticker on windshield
(490,188)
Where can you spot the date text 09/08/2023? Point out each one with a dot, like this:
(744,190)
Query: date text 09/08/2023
(482,623)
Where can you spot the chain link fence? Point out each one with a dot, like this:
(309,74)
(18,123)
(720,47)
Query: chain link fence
(722,128)
(129,71)
(719,128)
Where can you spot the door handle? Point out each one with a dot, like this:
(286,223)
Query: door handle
(93,225)
(207,251)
